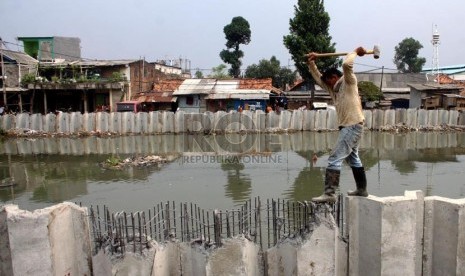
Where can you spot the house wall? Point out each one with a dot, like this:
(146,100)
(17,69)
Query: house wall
(195,107)
(142,76)
(415,99)
(68,48)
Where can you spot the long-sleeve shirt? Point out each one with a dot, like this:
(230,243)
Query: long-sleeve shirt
(345,92)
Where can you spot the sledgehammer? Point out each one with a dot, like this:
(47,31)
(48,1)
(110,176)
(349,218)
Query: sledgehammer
(375,52)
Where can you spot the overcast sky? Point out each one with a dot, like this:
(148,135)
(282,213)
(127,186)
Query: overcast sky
(193,30)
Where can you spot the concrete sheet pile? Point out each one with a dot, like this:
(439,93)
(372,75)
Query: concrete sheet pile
(50,241)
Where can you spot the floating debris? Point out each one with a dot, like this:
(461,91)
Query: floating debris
(150,160)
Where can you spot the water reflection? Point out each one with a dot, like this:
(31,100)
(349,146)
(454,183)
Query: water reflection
(222,171)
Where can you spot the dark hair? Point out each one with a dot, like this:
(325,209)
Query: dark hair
(330,72)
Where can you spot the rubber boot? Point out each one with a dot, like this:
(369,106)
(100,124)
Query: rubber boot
(360,182)
(331,184)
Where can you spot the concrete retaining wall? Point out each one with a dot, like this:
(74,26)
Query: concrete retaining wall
(51,241)
(181,122)
(400,235)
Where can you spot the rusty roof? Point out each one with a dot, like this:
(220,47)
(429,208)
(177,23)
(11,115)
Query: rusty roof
(154,97)
(168,85)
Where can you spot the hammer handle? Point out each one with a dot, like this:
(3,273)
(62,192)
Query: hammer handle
(369,52)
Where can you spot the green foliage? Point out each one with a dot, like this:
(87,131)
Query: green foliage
(406,56)
(55,79)
(219,72)
(271,69)
(198,74)
(309,33)
(236,33)
(116,77)
(28,78)
(113,161)
(369,91)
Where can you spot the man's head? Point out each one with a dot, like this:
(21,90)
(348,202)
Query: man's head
(331,76)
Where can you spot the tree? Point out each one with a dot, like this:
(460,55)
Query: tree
(218,72)
(237,33)
(309,33)
(406,56)
(198,74)
(271,69)
(369,91)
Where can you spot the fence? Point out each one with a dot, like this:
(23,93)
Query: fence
(220,122)
(265,224)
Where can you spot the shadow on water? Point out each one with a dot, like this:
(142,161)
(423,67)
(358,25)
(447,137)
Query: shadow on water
(222,171)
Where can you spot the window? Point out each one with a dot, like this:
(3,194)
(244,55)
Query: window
(189,100)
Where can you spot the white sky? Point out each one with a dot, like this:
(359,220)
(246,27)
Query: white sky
(130,29)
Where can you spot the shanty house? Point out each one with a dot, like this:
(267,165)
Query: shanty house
(247,94)
(160,98)
(16,65)
(52,48)
(191,94)
(434,96)
(89,86)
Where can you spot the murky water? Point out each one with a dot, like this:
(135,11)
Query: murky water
(222,171)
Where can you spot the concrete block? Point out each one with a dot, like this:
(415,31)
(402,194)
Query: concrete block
(176,258)
(246,121)
(50,121)
(433,117)
(443,116)
(63,122)
(422,118)
(102,122)
(155,122)
(234,122)
(317,255)
(453,117)
(50,241)
(127,123)
(37,122)
(69,236)
(282,259)
(368,118)
(308,120)
(271,121)
(135,264)
(389,118)
(141,122)
(8,121)
(320,120)
(208,119)
(237,256)
(296,120)
(88,122)
(220,121)
(22,120)
(115,122)
(196,126)
(284,120)
(181,119)
(259,121)
(75,124)
(412,118)
(168,122)
(444,236)
(378,119)
(332,123)
(385,234)
(401,116)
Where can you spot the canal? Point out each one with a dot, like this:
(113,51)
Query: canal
(221,171)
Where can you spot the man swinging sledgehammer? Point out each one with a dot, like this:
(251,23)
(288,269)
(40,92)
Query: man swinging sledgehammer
(343,89)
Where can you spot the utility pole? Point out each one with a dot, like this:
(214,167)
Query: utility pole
(3,76)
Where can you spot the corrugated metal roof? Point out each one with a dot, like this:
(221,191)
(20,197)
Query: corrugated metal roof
(448,70)
(19,57)
(195,86)
(243,94)
(434,87)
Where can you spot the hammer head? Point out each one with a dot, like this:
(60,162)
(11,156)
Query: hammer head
(376,51)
